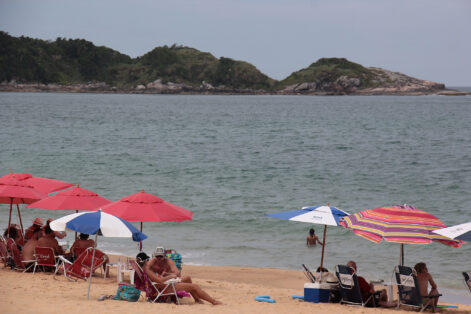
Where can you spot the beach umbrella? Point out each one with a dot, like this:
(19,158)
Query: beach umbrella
(16,192)
(145,207)
(97,223)
(457,232)
(402,224)
(76,199)
(323,215)
(44,185)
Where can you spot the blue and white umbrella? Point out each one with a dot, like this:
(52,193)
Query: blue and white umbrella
(323,215)
(457,232)
(97,223)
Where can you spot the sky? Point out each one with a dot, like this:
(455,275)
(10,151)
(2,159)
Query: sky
(427,39)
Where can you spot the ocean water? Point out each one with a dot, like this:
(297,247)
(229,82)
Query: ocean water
(233,159)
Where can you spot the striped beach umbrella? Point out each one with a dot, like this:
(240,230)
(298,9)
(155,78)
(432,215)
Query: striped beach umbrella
(400,224)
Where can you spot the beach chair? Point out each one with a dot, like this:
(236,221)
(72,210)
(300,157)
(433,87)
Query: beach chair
(76,251)
(20,264)
(349,287)
(45,257)
(81,267)
(409,291)
(467,280)
(153,294)
(4,254)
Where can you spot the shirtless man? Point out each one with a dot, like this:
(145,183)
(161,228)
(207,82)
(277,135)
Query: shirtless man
(424,278)
(148,265)
(165,267)
(48,240)
(28,248)
(312,239)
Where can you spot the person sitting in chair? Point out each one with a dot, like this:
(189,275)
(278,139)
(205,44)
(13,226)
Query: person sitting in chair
(28,248)
(48,240)
(165,267)
(367,289)
(148,265)
(424,278)
(84,242)
(35,227)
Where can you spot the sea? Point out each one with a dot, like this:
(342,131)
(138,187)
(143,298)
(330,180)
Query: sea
(233,159)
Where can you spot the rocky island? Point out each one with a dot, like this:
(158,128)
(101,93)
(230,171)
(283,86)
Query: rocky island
(76,65)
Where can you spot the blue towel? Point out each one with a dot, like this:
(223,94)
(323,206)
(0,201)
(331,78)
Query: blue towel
(297,296)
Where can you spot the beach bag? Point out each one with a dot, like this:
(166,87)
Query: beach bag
(127,292)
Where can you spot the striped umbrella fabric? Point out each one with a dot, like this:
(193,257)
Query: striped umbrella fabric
(400,224)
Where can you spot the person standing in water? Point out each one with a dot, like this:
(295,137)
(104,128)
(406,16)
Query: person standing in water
(312,239)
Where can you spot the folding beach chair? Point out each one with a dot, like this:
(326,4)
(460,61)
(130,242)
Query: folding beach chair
(45,257)
(76,251)
(4,254)
(467,280)
(81,267)
(20,264)
(350,288)
(409,291)
(153,294)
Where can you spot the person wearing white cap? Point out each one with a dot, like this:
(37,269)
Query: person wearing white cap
(165,267)
(150,264)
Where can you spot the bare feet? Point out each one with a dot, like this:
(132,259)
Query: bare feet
(217,303)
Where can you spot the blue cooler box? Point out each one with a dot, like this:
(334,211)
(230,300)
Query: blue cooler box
(316,292)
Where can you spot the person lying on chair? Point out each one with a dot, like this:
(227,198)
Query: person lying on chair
(196,292)
(368,289)
(424,278)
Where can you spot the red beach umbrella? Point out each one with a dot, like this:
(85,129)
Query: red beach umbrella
(73,199)
(145,207)
(13,191)
(44,185)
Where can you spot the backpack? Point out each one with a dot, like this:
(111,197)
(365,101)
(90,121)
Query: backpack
(127,292)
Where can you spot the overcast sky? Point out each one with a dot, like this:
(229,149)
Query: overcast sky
(427,39)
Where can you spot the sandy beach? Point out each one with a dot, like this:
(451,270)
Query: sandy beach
(236,287)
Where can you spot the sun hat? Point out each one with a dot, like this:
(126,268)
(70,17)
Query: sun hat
(159,251)
(38,221)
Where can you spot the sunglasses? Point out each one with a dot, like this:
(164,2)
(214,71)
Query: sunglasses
(159,256)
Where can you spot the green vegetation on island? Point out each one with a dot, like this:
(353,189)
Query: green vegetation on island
(78,65)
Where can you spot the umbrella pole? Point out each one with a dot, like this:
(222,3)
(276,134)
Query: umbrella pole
(76,211)
(9,218)
(401,260)
(19,215)
(140,242)
(323,247)
(91,269)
